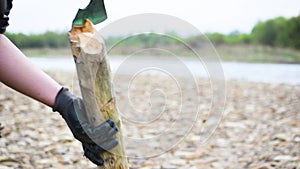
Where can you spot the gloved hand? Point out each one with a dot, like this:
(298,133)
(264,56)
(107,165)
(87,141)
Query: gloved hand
(95,140)
(5,7)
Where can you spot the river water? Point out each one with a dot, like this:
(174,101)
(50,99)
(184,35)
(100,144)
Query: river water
(256,72)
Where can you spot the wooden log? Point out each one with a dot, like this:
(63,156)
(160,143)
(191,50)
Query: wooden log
(94,77)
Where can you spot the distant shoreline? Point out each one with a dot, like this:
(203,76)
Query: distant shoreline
(228,53)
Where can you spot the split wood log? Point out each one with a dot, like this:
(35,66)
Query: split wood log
(94,77)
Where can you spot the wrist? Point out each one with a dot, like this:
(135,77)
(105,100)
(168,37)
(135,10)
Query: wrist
(63,100)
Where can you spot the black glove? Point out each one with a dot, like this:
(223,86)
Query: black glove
(5,7)
(94,140)
(1,128)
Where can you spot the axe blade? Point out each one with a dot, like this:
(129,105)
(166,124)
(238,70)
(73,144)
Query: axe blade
(95,12)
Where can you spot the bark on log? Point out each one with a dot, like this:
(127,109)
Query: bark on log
(93,72)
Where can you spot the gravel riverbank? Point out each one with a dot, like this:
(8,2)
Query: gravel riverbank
(260,129)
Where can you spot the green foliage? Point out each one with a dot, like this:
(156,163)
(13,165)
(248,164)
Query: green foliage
(238,38)
(233,38)
(294,32)
(147,40)
(216,38)
(45,40)
(279,32)
(55,40)
(269,32)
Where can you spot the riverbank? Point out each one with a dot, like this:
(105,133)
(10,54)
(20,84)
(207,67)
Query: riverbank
(229,53)
(260,129)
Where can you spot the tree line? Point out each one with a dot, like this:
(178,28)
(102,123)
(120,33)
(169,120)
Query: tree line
(46,40)
(277,32)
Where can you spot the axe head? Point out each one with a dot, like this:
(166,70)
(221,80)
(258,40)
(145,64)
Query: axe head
(95,12)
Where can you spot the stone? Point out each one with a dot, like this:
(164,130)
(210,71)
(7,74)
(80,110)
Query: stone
(187,154)
(178,162)
(282,137)
(284,158)
(297,139)
(168,166)
(5,167)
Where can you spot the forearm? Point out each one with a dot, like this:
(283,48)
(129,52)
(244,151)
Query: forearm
(17,72)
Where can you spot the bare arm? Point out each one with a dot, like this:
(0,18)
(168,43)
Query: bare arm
(17,72)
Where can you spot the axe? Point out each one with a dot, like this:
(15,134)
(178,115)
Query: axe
(95,12)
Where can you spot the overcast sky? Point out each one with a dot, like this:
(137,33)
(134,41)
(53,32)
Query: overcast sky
(36,16)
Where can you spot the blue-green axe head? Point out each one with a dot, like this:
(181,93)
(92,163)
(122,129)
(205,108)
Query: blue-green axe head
(95,12)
